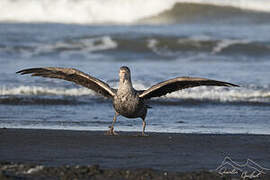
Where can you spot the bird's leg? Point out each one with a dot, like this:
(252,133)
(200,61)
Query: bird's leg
(111,130)
(143,128)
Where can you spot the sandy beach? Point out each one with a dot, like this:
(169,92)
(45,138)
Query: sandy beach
(158,153)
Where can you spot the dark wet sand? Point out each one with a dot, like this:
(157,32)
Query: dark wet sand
(159,151)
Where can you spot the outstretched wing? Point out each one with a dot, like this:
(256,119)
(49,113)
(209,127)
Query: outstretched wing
(72,75)
(179,83)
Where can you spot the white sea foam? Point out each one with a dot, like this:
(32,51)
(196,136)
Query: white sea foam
(97,11)
(105,43)
(34,169)
(152,44)
(81,11)
(222,94)
(85,45)
(221,45)
(37,90)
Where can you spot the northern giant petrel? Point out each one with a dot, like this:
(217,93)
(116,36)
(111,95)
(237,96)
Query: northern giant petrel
(127,101)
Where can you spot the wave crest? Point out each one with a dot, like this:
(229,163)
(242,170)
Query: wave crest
(198,94)
(109,11)
(37,90)
(83,46)
(168,46)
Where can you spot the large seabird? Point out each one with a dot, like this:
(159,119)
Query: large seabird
(127,101)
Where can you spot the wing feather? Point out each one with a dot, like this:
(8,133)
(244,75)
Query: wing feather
(179,83)
(73,75)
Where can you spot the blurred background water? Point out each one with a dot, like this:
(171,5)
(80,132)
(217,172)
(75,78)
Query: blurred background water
(225,40)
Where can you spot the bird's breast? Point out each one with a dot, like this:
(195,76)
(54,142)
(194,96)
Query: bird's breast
(128,105)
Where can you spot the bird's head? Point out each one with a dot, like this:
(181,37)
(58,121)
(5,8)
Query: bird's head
(124,74)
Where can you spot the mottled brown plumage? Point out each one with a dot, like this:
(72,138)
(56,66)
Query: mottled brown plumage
(73,75)
(127,101)
(179,83)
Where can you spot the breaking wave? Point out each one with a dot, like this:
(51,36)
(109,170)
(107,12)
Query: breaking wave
(37,90)
(111,11)
(45,95)
(155,45)
(83,46)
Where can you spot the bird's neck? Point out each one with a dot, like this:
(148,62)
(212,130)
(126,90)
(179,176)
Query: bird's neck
(125,86)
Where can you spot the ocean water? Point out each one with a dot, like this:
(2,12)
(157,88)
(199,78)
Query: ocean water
(225,40)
